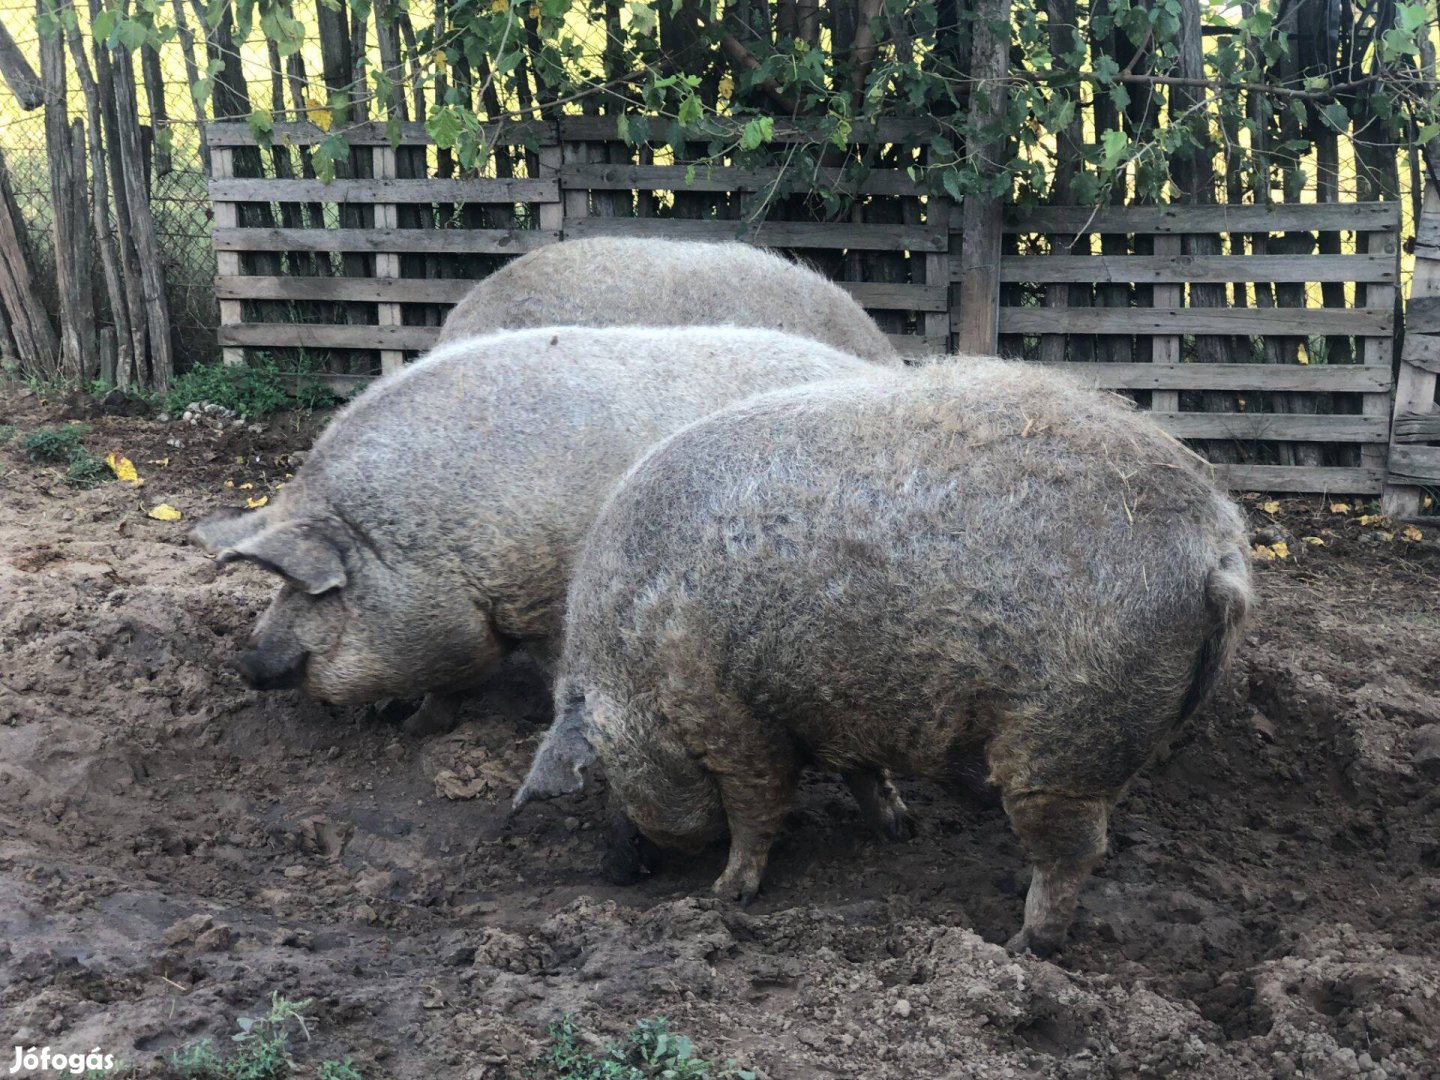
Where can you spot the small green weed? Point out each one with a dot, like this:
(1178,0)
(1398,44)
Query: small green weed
(262,1050)
(53,443)
(650,1051)
(7,432)
(86,470)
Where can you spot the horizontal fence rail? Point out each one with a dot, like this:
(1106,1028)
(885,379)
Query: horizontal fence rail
(1262,335)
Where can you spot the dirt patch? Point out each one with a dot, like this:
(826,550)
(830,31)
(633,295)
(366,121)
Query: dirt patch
(174,847)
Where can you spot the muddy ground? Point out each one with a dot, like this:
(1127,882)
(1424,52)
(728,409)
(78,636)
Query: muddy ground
(175,847)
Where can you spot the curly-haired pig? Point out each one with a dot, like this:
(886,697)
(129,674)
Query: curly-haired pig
(903,572)
(432,528)
(626,281)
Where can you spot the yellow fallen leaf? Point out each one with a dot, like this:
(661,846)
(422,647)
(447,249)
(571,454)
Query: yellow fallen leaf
(229,483)
(1373,519)
(164,512)
(124,469)
(1411,533)
(1386,535)
(255,504)
(1302,355)
(1429,502)
(1339,508)
(319,113)
(1314,541)
(247,486)
(164,462)
(1281,549)
(1263,552)
(727,86)
(1271,507)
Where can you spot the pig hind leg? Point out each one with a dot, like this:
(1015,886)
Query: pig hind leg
(880,804)
(1064,837)
(756,803)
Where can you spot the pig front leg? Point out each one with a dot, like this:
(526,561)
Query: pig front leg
(881,805)
(755,808)
(437,714)
(1064,837)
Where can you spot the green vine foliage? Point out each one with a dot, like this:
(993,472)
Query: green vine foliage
(1099,95)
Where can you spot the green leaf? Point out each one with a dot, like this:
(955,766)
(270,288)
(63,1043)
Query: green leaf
(1336,116)
(262,125)
(104,25)
(757,131)
(1114,144)
(622,129)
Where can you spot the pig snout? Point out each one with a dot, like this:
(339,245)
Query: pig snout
(269,666)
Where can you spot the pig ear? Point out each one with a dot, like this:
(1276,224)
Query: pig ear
(297,551)
(559,765)
(226,528)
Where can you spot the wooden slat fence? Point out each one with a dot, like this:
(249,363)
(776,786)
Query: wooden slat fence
(1414,464)
(1302,401)
(361,271)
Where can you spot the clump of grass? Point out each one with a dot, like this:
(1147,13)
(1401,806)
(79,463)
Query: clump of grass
(262,1050)
(254,389)
(53,443)
(649,1051)
(85,470)
(7,432)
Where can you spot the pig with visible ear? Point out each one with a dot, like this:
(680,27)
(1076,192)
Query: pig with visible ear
(431,530)
(906,572)
(630,281)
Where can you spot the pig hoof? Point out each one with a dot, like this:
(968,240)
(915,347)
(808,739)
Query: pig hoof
(437,715)
(899,826)
(742,892)
(1034,944)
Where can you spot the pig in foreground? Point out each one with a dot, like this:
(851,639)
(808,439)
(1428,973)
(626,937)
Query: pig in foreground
(975,559)
(622,281)
(431,530)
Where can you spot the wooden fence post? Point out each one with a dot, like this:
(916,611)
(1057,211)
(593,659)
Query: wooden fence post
(983,218)
(387,217)
(227,216)
(1416,419)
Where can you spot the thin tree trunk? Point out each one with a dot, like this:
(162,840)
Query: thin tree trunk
(100,212)
(18,73)
(77,342)
(1194,175)
(155,99)
(142,226)
(192,72)
(34,336)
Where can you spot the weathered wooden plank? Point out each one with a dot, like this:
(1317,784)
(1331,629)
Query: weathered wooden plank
(387,217)
(1300,479)
(1176,219)
(227,263)
(886,297)
(625,177)
(769,233)
(1218,269)
(1414,465)
(1421,351)
(355,290)
(1337,378)
(454,241)
(1378,353)
(386,191)
(370,133)
(1422,315)
(1416,427)
(603,129)
(1427,237)
(919,344)
(1377,322)
(1281,427)
(326,336)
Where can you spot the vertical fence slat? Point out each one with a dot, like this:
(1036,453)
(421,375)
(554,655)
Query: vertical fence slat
(1165,349)
(1379,352)
(386,265)
(227,263)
